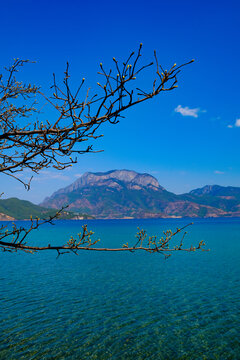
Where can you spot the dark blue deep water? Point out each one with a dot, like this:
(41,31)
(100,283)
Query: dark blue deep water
(122,305)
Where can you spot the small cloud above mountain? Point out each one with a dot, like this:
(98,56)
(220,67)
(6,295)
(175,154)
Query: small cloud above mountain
(237,124)
(218,172)
(186,111)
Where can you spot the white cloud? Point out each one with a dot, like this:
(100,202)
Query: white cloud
(78,175)
(186,111)
(218,172)
(237,123)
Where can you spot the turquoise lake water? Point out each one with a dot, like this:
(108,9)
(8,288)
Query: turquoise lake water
(123,305)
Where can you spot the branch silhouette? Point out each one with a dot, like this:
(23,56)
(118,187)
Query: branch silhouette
(84,241)
(32,144)
(35,145)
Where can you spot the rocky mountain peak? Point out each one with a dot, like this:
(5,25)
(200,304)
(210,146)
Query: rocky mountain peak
(128,177)
(122,175)
(146,180)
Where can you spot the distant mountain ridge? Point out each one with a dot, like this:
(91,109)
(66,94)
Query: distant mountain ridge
(128,194)
(217,190)
(226,198)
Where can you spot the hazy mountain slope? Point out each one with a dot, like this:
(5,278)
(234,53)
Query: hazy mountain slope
(14,208)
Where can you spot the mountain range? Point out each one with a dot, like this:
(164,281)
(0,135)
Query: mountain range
(128,194)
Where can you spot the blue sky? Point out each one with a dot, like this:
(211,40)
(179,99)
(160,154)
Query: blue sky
(186,138)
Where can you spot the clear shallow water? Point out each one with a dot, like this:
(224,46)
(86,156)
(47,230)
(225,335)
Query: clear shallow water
(123,305)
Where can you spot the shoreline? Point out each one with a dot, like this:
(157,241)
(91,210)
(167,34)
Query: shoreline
(134,218)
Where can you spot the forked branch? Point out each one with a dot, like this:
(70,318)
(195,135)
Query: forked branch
(84,241)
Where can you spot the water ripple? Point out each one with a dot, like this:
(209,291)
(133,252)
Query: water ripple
(124,306)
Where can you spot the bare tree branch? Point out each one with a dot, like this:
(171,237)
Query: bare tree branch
(35,145)
(84,241)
